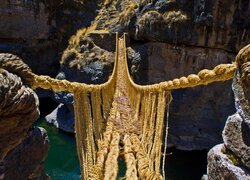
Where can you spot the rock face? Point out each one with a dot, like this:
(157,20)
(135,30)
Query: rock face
(88,59)
(197,115)
(26,160)
(236,138)
(211,33)
(215,24)
(19,109)
(63,118)
(50,24)
(22,149)
(232,160)
(222,168)
(20,15)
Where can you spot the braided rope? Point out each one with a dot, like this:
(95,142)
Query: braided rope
(16,66)
(131,173)
(148,102)
(221,72)
(111,166)
(103,146)
(143,161)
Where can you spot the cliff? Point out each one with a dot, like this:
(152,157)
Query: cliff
(169,38)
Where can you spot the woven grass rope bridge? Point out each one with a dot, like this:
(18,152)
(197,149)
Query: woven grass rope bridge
(120,119)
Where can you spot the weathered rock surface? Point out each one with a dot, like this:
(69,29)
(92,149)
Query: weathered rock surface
(197,115)
(88,59)
(241,84)
(25,148)
(214,24)
(220,167)
(26,161)
(18,15)
(206,28)
(38,30)
(236,138)
(18,111)
(236,133)
(63,118)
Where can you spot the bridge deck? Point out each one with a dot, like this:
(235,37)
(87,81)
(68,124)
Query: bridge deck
(121,113)
(120,118)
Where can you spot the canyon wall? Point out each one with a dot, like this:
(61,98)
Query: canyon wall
(173,38)
(38,30)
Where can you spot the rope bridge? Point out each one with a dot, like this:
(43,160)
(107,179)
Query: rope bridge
(120,119)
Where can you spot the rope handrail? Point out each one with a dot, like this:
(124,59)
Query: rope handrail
(221,72)
(101,111)
(46,82)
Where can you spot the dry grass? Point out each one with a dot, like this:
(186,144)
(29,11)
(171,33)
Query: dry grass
(128,13)
(151,17)
(80,34)
(174,17)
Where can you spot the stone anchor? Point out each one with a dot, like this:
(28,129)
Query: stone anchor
(231,160)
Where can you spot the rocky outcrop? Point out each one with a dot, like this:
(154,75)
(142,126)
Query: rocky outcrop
(199,23)
(214,24)
(194,35)
(63,118)
(232,160)
(221,167)
(88,59)
(38,30)
(236,138)
(18,111)
(26,161)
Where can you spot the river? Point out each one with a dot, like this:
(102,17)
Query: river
(62,161)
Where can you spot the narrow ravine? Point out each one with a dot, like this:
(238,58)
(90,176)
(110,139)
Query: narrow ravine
(62,161)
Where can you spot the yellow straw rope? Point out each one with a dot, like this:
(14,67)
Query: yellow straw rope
(121,112)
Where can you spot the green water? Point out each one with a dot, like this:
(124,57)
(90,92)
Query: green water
(62,161)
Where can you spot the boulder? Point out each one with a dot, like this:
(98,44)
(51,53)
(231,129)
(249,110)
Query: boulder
(22,148)
(221,167)
(63,118)
(18,111)
(232,159)
(26,161)
(236,136)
